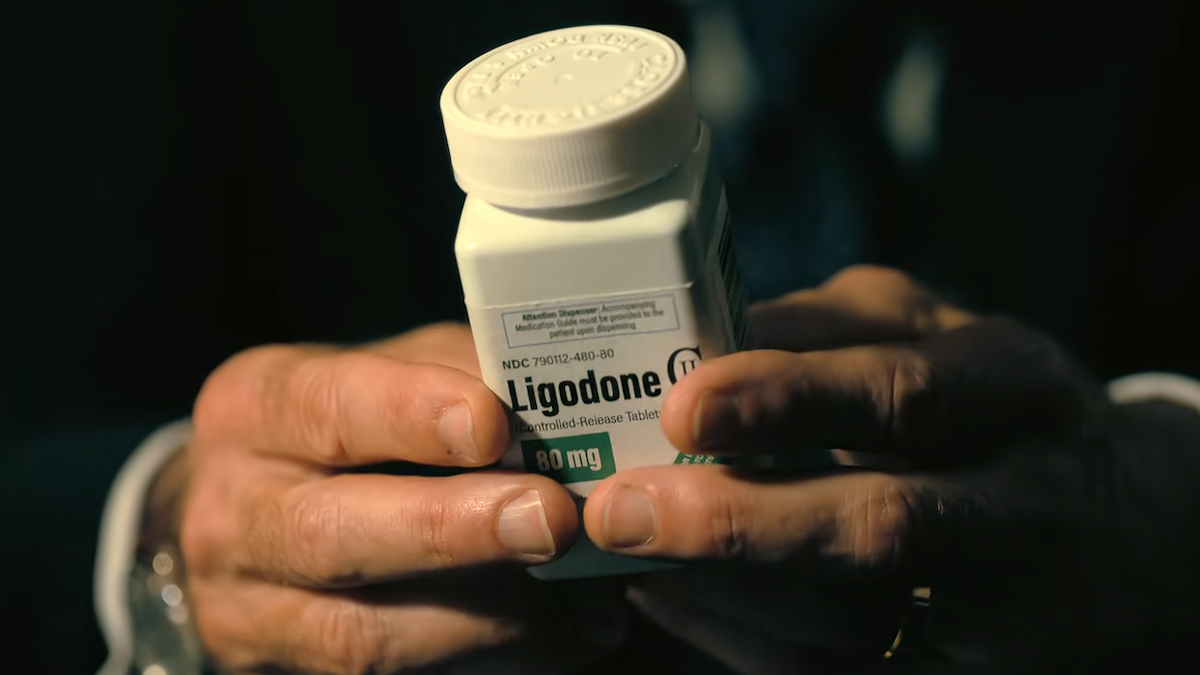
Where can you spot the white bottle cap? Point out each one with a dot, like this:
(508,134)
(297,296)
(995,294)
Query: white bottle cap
(569,117)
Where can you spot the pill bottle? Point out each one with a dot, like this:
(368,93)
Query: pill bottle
(594,249)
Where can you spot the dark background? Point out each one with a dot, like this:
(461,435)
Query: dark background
(191,178)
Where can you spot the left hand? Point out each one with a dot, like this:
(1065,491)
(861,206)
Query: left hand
(329,522)
(1001,508)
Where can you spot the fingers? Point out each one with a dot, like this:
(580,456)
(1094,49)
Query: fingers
(341,409)
(354,530)
(261,626)
(858,520)
(860,305)
(448,344)
(992,380)
(860,525)
(495,624)
(770,401)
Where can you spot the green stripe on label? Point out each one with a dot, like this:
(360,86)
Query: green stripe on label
(570,459)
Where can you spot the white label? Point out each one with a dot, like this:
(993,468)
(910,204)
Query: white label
(586,379)
(583,321)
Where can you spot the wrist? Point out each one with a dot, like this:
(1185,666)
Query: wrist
(140,520)
(163,626)
(162,510)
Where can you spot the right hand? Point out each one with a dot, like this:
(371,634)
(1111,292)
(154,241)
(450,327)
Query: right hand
(301,560)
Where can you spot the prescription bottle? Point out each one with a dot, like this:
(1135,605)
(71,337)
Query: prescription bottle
(594,249)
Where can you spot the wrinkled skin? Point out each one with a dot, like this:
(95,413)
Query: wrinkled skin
(303,557)
(999,476)
(1045,520)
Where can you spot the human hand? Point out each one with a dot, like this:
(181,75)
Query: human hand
(1019,505)
(303,558)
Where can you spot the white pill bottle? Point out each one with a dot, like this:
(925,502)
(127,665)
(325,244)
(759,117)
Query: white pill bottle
(594,250)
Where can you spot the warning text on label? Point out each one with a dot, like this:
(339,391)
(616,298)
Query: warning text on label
(584,321)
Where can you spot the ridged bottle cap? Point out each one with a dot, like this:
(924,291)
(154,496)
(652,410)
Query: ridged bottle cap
(569,117)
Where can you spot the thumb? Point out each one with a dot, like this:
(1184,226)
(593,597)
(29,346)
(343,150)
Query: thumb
(852,522)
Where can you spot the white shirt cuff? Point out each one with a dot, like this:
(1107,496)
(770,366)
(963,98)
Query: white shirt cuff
(120,527)
(1156,386)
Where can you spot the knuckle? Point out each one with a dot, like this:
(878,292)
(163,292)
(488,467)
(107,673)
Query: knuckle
(206,527)
(439,342)
(728,520)
(442,332)
(870,277)
(347,638)
(445,343)
(922,311)
(236,385)
(222,629)
(263,540)
(728,530)
(431,535)
(197,542)
(222,397)
(307,399)
(890,294)
(878,521)
(315,533)
(904,394)
(211,627)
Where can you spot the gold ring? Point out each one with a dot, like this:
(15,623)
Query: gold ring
(914,628)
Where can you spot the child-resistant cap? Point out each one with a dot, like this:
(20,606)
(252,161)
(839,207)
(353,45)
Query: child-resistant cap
(569,117)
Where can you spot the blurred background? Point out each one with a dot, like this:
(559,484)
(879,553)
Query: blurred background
(192,178)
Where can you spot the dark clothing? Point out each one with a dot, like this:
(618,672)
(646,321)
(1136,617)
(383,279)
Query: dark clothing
(195,178)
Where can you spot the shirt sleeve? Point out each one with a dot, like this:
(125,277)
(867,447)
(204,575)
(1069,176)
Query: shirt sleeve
(119,529)
(1156,386)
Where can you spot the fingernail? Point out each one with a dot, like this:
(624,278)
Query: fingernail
(629,518)
(456,430)
(718,419)
(523,528)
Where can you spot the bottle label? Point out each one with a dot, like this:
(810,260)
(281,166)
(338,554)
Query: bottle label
(585,378)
